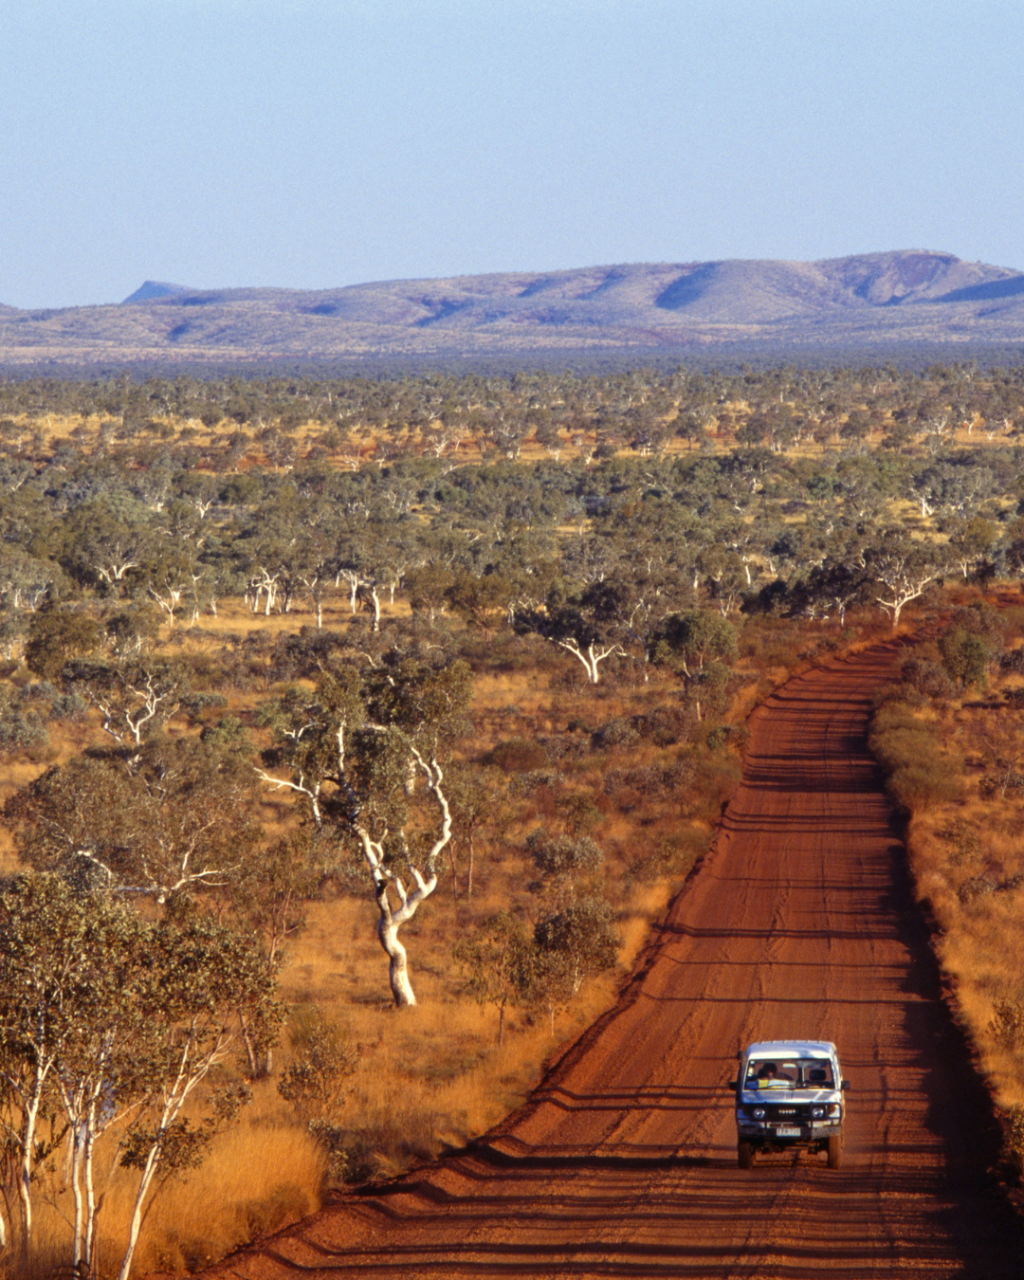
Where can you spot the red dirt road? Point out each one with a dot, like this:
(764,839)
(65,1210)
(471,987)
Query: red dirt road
(624,1164)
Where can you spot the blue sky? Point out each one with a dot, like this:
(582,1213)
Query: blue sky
(226,143)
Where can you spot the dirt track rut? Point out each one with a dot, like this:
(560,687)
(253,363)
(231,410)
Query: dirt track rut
(624,1164)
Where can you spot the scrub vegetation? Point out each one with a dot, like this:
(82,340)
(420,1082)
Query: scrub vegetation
(964,806)
(407,705)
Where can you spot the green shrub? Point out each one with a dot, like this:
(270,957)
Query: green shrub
(1007,1025)
(917,772)
(620,732)
(715,779)
(926,782)
(21,726)
(926,677)
(976,887)
(675,855)
(518,755)
(316,1081)
(577,941)
(964,840)
(965,657)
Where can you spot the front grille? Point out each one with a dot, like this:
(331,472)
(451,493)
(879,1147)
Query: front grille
(787,1113)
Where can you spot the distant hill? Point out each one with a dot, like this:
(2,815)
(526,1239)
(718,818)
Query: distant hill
(156,289)
(882,302)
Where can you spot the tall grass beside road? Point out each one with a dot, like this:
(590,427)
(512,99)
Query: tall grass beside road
(953,759)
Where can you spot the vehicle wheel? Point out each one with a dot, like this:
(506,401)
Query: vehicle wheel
(745,1154)
(835,1152)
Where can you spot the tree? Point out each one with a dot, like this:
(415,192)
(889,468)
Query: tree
(107,538)
(697,644)
(587,625)
(363,752)
(366,561)
(576,941)
(951,488)
(43,965)
(172,579)
(79,990)
(130,633)
(136,697)
(692,426)
(965,656)
(479,598)
(903,569)
(315,1082)
(201,982)
(267,894)
(311,570)
(833,585)
(177,822)
(477,799)
(562,860)
(25,580)
(107,1019)
(428,588)
(971,540)
(56,636)
(501,964)
(505,430)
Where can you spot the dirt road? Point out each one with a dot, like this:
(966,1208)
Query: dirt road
(624,1165)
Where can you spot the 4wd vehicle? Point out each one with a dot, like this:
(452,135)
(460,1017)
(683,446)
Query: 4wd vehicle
(789,1093)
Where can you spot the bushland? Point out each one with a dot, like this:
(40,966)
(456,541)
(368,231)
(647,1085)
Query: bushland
(952,752)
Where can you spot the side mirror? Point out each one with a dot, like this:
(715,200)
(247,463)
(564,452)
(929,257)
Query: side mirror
(734,1084)
(845,1086)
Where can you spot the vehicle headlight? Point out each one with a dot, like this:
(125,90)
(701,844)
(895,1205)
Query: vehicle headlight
(758,1113)
(835,1109)
(817,1113)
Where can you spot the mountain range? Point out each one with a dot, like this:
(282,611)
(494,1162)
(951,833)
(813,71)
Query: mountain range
(881,303)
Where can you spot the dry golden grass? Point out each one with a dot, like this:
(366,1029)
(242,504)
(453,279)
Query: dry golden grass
(257,1178)
(967,858)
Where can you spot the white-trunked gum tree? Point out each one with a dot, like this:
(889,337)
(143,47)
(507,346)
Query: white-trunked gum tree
(109,1020)
(363,751)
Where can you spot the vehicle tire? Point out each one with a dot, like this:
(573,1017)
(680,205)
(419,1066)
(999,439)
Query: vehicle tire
(835,1152)
(745,1154)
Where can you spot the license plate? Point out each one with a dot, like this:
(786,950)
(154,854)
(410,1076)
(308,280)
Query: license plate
(787,1133)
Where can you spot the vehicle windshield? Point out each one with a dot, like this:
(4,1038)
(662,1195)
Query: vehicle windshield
(789,1073)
